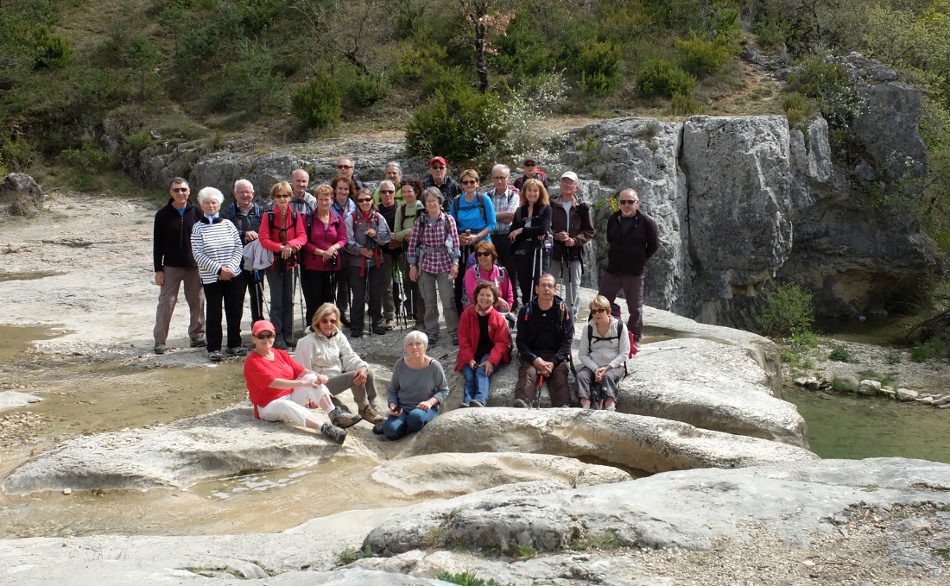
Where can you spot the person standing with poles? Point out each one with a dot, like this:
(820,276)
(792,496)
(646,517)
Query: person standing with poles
(632,239)
(475,219)
(246,217)
(529,231)
(573,228)
(505,200)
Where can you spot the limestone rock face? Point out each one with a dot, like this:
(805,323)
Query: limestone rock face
(22,193)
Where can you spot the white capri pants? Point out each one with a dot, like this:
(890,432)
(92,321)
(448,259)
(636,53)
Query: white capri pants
(292,408)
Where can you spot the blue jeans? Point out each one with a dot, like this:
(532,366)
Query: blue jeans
(476,382)
(408,422)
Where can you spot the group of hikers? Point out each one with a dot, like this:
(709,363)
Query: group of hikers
(487,262)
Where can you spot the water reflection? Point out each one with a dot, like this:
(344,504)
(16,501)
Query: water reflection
(847,426)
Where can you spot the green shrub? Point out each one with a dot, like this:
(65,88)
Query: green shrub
(924,351)
(683,105)
(458,123)
(798,109)
(839,354)
(317,104)
(364,90)
(50,51)
(464,578)
(598,68)
(663,78)
(701,57)
(787,309)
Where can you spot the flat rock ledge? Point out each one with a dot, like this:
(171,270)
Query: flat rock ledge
(231,441)
(881,521)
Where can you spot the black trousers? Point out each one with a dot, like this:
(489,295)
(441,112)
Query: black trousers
(229,293)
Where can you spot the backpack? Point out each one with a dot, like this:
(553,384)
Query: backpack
(614,312)
(479,198)
(423,222)
(289,263)
(502,273)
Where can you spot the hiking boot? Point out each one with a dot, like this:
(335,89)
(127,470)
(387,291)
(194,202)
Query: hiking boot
(455,339)
(333,432)
(378,428)
(520,404)
(344,418)
(356,333)
(280,344)
(159,348)
(215,356)
(372,413)
(390,324)
(238,351)
(476,404)
(198,342)
(379,330)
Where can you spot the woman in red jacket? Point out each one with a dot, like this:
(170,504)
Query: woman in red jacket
(283,233)
(484,344)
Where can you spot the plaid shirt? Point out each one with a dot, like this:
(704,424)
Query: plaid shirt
(434,237)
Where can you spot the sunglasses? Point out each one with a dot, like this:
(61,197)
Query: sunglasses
(629,202)
(387,191)
(469,182)
(483,253)
(530,164)
(180,189)
(596,311)
(344,166)
(437,167)
(364,199)
(266,336)
(281,195)
(328,320)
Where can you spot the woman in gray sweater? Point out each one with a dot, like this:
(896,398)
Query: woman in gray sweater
(417,390)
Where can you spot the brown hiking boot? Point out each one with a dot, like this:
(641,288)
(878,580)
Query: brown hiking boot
(344,418)
(333,432)
(372,413)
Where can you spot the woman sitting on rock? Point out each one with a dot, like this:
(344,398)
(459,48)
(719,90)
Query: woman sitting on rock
(487,269)
(604,348)
(484,344)
(417,390)
(282,390)
(326,351)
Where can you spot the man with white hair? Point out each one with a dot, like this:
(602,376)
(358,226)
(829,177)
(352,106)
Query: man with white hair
(174,264)
(505,199)
(393,174)
(632,238)
(246,217)
(573,227)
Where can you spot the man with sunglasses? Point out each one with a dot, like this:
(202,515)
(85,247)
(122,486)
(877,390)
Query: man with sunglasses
(632,238)
(387,207)
(174,264)
(346,169)
(439,177)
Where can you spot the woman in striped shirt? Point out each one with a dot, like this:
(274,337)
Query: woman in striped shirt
(216,246)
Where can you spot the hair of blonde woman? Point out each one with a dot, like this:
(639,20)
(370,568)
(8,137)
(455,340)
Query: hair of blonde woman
(323,311)
(600,302)
(543,199)
(469,173)
(281,188)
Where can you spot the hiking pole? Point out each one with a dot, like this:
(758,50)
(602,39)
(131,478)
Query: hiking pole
(537,392)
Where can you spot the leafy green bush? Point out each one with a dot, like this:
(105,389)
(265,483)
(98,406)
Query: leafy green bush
(924,351)
(317,104)
(663,78)
(598,68)
(701,57)
(50,51)
(787,310)
(798,109)
(458,123)
(364,90)
(839,354)
(684,105)
(464,578)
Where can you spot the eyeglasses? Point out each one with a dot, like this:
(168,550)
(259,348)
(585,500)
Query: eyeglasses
(483,253)
(547,285)
(596,311)
(364,199)
(281,195)
(437,167)
(179,189)
(629,202)
(469,182)
(387,191)
(344,166)
(266,336)
(503,178)
(328,320)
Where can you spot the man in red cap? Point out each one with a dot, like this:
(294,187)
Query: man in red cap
(439,177)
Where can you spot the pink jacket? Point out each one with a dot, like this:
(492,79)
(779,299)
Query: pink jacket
(474,275)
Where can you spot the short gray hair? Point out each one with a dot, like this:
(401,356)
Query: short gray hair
(387,182)
(393,164)
(415,336)
(179,181)
(241,182)
(207,193)
(501,167)
(434,192)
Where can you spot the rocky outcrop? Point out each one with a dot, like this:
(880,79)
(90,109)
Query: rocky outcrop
(22,193)
(804,522)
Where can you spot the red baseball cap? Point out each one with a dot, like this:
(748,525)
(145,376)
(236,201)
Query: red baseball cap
(262,326)
(437,160)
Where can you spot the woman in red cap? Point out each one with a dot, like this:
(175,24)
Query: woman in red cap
(282,390)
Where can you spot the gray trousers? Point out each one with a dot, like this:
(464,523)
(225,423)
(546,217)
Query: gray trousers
(427,285)
(168,299)
(362,394)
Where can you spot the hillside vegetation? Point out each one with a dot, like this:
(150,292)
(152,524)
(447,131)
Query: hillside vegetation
(470,79)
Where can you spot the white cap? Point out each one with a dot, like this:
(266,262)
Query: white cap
(570,175)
